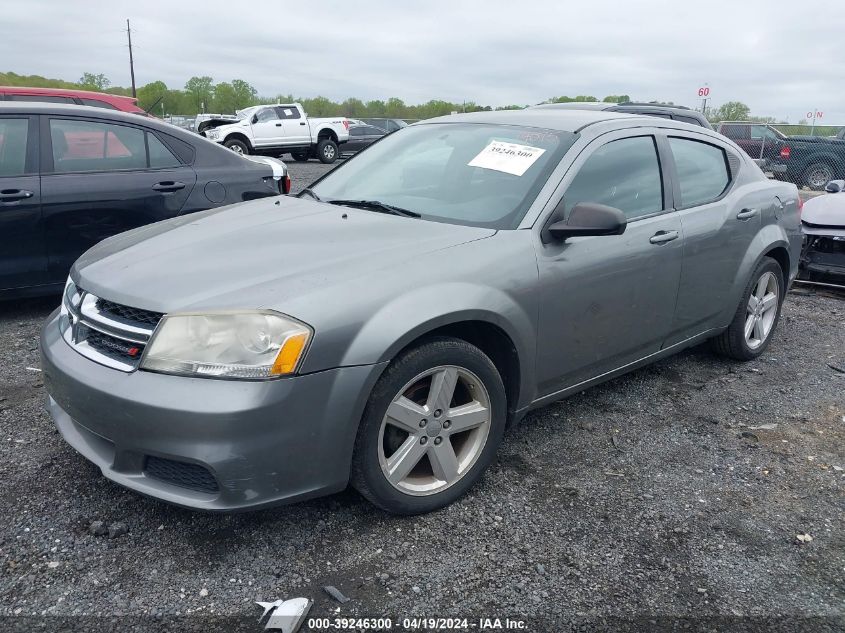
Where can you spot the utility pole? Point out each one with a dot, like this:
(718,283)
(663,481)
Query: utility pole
(131,63)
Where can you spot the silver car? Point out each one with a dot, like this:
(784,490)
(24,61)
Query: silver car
(385,326)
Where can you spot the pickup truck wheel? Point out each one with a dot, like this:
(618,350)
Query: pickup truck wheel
(431,427)
(237,146)
(327,151)
(817,175)
(300,157)
(750,332)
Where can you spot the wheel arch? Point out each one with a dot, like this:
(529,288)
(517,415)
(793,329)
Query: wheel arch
(239,137)
(781,255)
(327,133)
(477,313)
(490,339)
(770,241)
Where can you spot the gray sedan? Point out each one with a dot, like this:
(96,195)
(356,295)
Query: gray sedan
(385,327)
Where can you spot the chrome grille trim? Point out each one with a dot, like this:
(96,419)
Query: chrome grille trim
(93,318)
(80,314)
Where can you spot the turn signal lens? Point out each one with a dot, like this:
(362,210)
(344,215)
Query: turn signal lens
(289,355)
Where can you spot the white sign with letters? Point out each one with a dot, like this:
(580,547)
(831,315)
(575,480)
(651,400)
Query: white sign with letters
(511,158)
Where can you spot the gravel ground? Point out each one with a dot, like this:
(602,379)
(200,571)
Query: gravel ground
(650,498)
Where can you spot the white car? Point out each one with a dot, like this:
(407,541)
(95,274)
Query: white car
(278,129)
(823,225)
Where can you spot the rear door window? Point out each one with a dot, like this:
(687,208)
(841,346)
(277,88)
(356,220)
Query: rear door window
(13,139)
(288,113)
(93,146)
(702,170)
(624,174)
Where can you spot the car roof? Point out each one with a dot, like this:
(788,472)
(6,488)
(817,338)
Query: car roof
(564,120)
(67,92)
(90,112)
(575,105)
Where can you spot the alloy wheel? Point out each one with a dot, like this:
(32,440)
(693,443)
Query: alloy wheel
(819,176)
(237,149)
(761,310)
(434,430)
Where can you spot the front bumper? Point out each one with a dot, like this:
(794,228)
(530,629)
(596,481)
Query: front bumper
(237,444)
(823,259)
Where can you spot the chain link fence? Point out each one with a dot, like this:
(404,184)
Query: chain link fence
(807,155)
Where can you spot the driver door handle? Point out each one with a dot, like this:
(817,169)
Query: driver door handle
(278,125)
(661,237)
(747,214)
(14,195)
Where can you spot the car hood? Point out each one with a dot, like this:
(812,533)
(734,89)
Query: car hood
(256,254)
(827,210)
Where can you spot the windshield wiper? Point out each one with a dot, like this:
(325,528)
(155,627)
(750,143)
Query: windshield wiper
(310,193)
(376,205)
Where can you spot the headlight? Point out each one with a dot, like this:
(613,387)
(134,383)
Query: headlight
(212,134)
(248,345)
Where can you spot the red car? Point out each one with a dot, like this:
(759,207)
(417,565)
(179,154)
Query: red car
(78,97)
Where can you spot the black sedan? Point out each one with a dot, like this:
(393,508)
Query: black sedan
(71,176)
(361,136)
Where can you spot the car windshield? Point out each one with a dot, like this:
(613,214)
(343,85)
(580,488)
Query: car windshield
(461,173)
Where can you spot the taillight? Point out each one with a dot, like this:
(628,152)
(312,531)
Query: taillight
(346,123)
(784,152)
(800,206)
(284,184)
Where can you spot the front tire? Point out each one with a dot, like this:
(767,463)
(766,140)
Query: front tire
(327,151)
(236,145)
(300,157)
(430,429)
(756,318)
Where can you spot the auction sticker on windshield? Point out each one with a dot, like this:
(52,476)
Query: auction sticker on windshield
(511,158)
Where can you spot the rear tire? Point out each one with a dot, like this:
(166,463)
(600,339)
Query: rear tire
(817,175)
(447,409)
(327,151)
(236,145)
(753,325)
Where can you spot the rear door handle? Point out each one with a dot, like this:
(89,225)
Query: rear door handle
(14,195)
(168,186)
(747,214)
(302,122)
(661,237)
(278,125)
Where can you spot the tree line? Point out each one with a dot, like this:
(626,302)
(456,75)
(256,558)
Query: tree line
(202,94)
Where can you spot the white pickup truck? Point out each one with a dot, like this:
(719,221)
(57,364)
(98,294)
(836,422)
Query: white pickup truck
(279,129)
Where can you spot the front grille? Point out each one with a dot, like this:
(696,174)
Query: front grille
(109,333)
(184,475)
(128,314)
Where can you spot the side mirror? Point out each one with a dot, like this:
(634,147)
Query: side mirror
(255,118)
(589,218)
(834,186)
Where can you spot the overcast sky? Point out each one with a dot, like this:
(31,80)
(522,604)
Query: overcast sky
(781,58)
